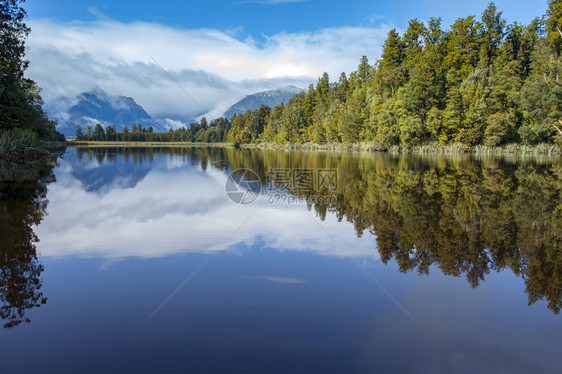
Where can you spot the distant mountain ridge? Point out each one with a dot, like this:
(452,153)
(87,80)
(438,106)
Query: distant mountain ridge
(98,106)
(269,98)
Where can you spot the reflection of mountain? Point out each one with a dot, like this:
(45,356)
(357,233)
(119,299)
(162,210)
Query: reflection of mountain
(269,98)
(99,107)
(114,169)
(23,204)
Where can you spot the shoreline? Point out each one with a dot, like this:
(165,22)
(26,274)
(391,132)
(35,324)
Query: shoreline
(30,154)
(110,144)
(510,149)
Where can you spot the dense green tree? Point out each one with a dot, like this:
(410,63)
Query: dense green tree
(492,33)
(99,133)
(110,133)
(554,25)
(20,101)
(413,40)
(89,134)
(203,123)
(79,134)
(391,73)
(393,50)
(462,47)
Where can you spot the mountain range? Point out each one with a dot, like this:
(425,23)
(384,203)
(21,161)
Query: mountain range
(269,98)
(98,106)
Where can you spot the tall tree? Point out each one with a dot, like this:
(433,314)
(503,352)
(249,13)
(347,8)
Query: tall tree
(13,33)
(79,134)
(492,32)
(99,134)
(20,101)
(554,24)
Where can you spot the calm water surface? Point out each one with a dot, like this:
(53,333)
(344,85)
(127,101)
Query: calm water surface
(145,261)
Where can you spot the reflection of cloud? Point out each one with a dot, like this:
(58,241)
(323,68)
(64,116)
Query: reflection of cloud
(213,66)
(177,209)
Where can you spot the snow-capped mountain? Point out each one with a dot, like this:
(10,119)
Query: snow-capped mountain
(98,106)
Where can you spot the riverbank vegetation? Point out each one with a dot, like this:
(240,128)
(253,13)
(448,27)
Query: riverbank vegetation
(24,126)
(480,84)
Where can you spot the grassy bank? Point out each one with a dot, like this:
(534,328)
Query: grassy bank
(21,145)
(433,148)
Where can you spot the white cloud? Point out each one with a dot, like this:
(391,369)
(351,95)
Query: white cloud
(94,10)
(212,66)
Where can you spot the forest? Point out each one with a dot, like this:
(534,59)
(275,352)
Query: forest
(203,132)
(480,82)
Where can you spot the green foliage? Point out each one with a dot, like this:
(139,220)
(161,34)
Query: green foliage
(214,132)
(554,25)
(20,144)
(79,134)
(20,100)
(18,138)
(99,133)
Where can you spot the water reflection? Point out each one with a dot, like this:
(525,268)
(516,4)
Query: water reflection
(122,169)
(179,206)
(462,215)
(23,204)
(465,216)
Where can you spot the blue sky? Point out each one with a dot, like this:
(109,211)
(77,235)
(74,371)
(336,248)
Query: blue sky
(218,50)
(255,17)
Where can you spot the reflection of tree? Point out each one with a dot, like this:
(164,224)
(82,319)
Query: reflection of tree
(464,216)
(23,203)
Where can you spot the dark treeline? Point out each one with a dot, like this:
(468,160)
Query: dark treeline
(22,119)
(214,132)
(480,82)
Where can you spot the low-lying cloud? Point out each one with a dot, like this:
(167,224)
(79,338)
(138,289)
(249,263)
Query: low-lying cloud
(150,62)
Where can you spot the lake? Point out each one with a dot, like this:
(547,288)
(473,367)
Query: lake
(213,260)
